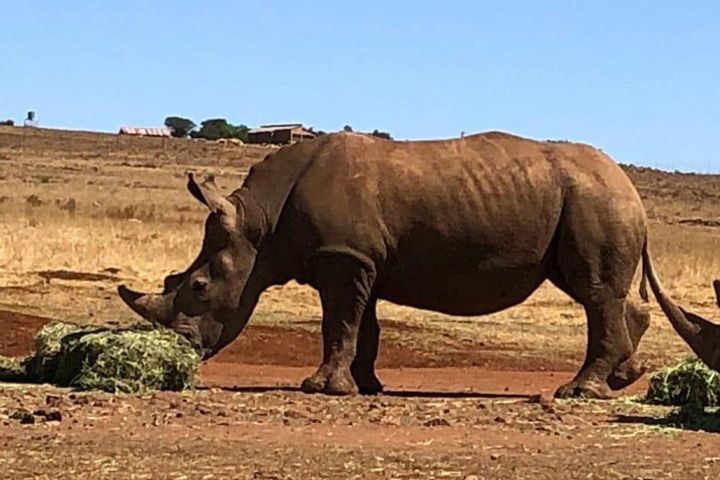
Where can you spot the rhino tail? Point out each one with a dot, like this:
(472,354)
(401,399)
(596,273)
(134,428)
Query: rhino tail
(644,274)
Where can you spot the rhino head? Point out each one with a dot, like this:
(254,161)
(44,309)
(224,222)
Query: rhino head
(206,303)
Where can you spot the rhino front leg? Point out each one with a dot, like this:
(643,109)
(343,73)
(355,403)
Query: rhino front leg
(344,284)
(363,367)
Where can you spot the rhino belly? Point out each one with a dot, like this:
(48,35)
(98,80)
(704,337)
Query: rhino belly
(463,293)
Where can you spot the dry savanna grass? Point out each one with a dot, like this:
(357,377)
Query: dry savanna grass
(81,212)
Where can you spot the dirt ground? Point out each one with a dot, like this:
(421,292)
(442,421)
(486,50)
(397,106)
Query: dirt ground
(248,420)
(466,398)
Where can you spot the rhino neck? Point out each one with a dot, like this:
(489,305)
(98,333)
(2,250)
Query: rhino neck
(270,183)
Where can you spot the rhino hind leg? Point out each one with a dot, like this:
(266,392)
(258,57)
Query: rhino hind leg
(363,366)
(597,250)
(638,321)
(608,346)
(344,285)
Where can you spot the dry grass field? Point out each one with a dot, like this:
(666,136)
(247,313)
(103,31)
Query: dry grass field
(82,212)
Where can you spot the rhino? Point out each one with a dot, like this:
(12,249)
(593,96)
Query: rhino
(465,227)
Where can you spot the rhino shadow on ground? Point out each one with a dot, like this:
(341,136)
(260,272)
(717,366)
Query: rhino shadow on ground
(390,393)
(685,418)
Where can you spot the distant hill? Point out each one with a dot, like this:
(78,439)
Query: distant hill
(688,198)
(73,144)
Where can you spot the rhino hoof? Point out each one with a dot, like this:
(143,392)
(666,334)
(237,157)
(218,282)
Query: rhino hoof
(340,385)
(626,374)
(334,383)
(368,386)
(313,384)
(586,390)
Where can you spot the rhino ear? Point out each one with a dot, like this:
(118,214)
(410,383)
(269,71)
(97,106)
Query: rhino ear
(209,194)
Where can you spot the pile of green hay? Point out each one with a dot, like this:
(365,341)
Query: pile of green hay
(132,360)
(689,383)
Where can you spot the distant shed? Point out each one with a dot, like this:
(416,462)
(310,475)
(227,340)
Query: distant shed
(280,133)
(145,132)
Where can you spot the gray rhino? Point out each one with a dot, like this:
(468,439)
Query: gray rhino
(466,226)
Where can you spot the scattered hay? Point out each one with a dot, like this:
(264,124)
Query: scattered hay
(690,382)
(132,360)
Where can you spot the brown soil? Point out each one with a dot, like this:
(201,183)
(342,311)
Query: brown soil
(249,421)
(279,434)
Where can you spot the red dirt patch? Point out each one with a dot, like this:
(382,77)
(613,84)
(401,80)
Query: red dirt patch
(17,334)
(300,347)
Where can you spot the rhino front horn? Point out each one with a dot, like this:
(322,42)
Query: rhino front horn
(153,307)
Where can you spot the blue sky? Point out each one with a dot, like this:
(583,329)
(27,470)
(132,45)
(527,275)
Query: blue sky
(639,79)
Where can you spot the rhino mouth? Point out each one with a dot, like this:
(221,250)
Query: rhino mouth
(191,335)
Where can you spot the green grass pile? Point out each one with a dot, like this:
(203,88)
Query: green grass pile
(690,382)
(40,367)
(132,360)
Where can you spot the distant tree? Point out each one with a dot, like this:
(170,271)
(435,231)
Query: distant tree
(214,129)
(7,123)
(180,127)
(385,135)
(241,132)
(347,128)
(217,128)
